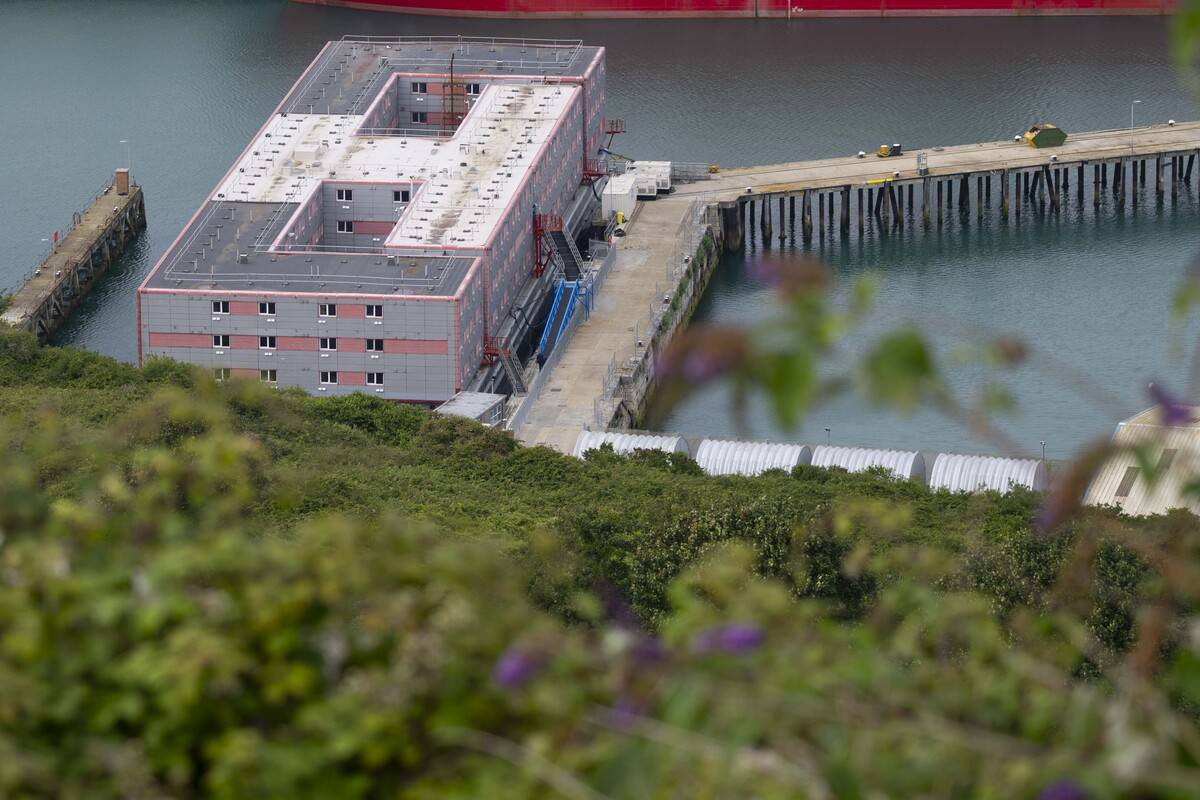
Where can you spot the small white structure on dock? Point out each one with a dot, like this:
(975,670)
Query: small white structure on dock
(904,464)
(727,457)
(628,442)
(1175,452)
(959,473)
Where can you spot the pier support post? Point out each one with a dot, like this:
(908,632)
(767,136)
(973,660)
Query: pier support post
(1052,186)
(1004,195)
(1079,185)
(897,219)
(979,198)
(1096,190)
(939,201)
(925,201)
(782,232)
(964,194)
(1158,179)
(830,218)
(1018,199)
(806,220)
(845,226)
(910,201)
(1103,174)
(731,225)
(987,189)
(792,212)
(1175,164)
(1187,173)
(765,220)
(860,212)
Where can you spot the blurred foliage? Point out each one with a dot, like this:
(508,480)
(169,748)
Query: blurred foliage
(234,592)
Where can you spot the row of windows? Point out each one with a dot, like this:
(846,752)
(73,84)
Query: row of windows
(271,376)
(323,309)
(325,343)
(398,195)
(422,87)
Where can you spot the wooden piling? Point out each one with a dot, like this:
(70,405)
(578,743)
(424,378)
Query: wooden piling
(1004,195)
(845,211)
(925,201)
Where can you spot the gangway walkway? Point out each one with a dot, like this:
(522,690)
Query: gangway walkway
(566,403)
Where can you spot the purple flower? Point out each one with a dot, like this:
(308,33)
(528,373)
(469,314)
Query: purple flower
(735,638)
(625,713)
(517,667)
(648,650)
(1063,790)
(705,353)
(1173,412)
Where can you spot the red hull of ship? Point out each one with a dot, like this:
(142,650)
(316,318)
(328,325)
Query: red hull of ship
(642,9)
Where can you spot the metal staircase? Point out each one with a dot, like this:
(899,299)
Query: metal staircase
(568,254)
(512,368)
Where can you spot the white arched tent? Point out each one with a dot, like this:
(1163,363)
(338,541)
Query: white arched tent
(726,457)
(904,464)
(983,473)
(628,442)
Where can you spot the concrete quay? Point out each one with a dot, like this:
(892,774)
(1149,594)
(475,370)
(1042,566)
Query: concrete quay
(96,238)
(578,392)
(606,370)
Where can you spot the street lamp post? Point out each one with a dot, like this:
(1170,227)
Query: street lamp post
(1132,106)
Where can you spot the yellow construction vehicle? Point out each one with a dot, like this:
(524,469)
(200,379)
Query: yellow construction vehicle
(889,150)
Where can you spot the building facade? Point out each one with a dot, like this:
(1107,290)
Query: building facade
(376,231)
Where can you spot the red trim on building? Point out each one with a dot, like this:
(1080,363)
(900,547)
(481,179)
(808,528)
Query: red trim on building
(243,372)
(350,345)
(180,339)
(352,311)
(296,343)
(428,347)
(352,378)
(243,308)
(242,342)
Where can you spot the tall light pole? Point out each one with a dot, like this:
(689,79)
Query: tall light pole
(1132,106)
(129,155)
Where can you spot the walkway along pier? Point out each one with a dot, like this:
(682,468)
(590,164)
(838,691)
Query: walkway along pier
(850,195)
(606,370)
(115,217)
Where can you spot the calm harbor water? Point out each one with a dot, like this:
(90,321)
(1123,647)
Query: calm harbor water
(187,83)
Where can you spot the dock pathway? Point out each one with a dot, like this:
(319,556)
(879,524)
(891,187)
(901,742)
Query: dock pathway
(98,236)
(958,180)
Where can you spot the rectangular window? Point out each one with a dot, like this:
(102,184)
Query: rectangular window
(401,195)
(267,376)
(374,345)
(345,226)
(220,340)
(375,311)
(419,116)
(1127,481)
(473,88)
(220,306)
(345,194)
(221,373)
(266,342)
(420,88)
(374,379)
(328,344)
(266,309)
(1165,461)
(328,377)
(327,310)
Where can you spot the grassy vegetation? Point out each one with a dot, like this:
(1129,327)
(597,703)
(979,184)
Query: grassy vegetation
(236,592)
(633,523)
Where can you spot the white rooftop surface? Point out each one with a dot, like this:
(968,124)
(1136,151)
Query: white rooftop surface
(459,206)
